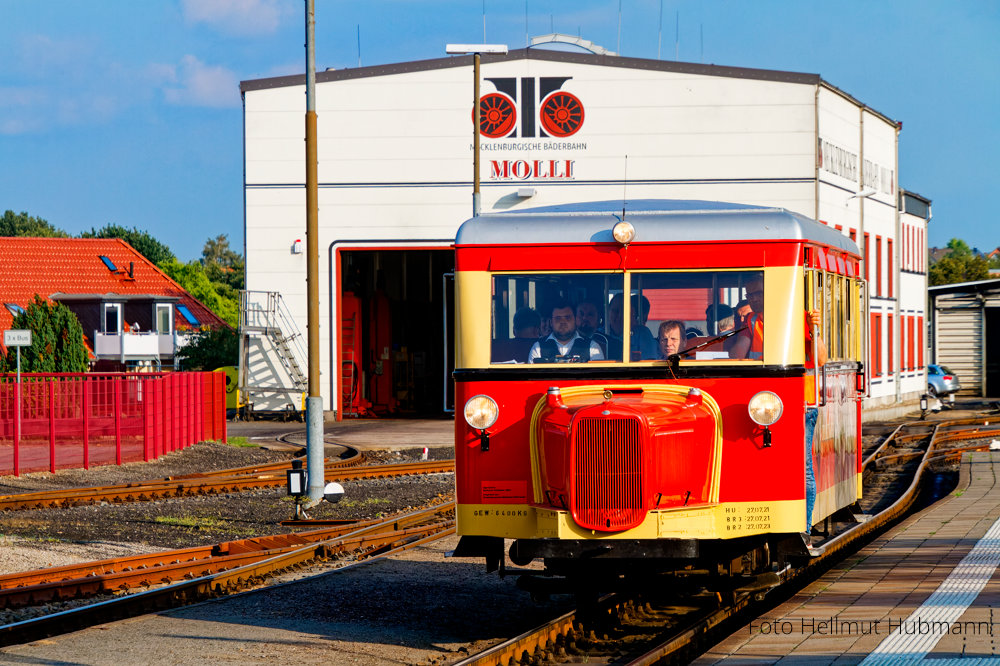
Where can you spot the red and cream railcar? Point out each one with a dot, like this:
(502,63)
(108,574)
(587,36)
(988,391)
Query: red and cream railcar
(620,452)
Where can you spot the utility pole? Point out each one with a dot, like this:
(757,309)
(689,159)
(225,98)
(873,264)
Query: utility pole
(314,403)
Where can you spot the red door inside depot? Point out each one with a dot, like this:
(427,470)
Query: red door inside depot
(396,337)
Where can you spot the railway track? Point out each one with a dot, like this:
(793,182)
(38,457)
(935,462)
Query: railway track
(206,483)
(653,629)
(173,578)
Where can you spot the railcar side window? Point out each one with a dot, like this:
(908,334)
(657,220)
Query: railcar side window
(556,318)
(687,313)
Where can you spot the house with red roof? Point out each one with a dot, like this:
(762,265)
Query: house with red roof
(132,314)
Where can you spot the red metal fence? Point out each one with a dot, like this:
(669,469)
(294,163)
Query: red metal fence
(79,420)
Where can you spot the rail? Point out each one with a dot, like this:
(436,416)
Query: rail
(224,481)
(574,632)
(231,566)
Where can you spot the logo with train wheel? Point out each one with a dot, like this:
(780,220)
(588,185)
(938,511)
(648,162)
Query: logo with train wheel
(561,114)
(497,115)
(515,110)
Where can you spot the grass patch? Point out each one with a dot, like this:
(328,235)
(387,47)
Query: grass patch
(240,442)
(190,521)
(368,501)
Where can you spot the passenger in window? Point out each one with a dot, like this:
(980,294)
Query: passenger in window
(719,319)
(642,344)
(750,343)
(527,329)
(740,313)
(670,336)
(564,344)
(588,319)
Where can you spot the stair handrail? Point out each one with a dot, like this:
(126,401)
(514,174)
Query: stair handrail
(267,309)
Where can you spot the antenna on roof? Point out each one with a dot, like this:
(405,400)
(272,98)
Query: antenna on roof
(359,45)
(619,27)
(659,33)
(527,40)
(624,188)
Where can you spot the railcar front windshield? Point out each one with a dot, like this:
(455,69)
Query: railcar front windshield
(580,317)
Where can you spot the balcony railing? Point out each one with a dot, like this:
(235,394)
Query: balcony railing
(127,346)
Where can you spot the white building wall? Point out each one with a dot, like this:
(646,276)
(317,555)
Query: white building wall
(395,158)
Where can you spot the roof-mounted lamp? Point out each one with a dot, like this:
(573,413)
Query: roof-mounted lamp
(623,232)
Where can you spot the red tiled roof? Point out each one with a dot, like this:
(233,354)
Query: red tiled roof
(47,266)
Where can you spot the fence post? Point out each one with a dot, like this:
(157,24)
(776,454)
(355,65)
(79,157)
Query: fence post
(199,384)
(52,424)
(192,409)
(87,383)
(169,413)
(116,384)
(220,406)
(145,392)
(159,425)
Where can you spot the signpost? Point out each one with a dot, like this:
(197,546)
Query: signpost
(17,338)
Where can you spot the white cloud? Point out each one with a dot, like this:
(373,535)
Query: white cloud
(237,17)
(198,84)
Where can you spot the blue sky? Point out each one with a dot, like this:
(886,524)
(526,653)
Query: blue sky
(125,112)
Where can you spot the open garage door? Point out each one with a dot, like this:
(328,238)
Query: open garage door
(394,359)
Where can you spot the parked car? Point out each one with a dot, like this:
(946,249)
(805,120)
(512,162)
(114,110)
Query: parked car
(942,382)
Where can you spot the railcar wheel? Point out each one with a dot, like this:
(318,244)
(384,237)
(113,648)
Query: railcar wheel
(517,558)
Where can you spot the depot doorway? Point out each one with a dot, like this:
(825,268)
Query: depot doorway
(396,333)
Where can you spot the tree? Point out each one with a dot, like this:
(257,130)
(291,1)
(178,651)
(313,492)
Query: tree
(192,277)
(223,266)
(22,224)
(56,340)
(142,241)
(210,350)
(960,264)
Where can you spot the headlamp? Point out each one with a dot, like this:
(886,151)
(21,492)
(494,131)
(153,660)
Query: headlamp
(765,408)
(481,412)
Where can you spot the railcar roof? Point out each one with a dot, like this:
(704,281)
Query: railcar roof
(655,221)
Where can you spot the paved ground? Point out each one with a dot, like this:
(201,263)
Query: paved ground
(361,434)
(927,589)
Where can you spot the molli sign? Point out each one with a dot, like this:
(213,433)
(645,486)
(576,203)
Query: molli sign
(531,108)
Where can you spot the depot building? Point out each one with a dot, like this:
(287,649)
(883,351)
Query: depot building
(562,121)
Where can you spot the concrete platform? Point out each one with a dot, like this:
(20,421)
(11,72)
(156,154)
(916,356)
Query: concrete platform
(925,592)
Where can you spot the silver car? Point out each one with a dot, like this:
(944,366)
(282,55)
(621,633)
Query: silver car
(942,382)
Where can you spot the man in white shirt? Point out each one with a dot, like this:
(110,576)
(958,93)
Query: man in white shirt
(564,344)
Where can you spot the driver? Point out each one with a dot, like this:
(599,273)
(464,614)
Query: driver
(564,344)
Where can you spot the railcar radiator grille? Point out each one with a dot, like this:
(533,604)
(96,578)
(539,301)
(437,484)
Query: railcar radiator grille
(608,474)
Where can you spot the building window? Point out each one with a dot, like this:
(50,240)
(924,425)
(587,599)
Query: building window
(188,315)
(110,264)
(876,342)
(878,265)
(164,318)
(920,342)
(112,318)
(909,342)
(867,272)
(889,262)
(14,308)
(889,361)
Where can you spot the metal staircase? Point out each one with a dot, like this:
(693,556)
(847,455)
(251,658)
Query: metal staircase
(271,351)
